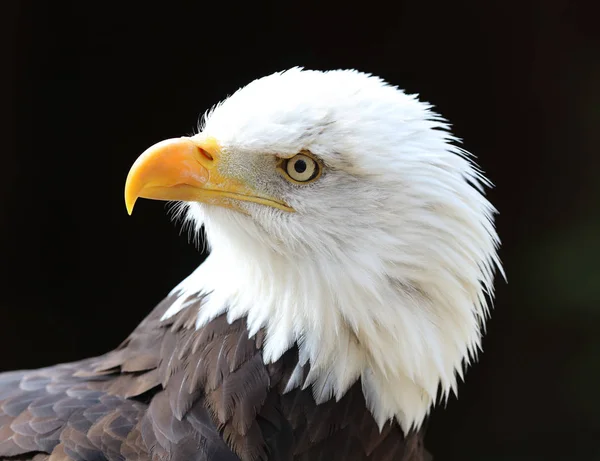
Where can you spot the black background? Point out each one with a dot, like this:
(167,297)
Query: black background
(89,85)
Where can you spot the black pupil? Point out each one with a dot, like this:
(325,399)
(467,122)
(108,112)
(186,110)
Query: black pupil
(300,166)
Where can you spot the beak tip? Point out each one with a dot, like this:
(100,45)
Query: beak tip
(129,207)
(131,192)
(130,203)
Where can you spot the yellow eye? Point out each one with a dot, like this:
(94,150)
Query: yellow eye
(302,168)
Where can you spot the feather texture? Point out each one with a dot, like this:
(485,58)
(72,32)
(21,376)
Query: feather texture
(171,392)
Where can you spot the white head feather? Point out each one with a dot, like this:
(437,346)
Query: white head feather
(383,272)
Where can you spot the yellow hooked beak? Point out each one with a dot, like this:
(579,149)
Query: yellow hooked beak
(186,170)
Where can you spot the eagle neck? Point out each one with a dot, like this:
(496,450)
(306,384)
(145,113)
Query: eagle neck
(347,323)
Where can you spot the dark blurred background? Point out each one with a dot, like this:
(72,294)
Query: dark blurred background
(89,85)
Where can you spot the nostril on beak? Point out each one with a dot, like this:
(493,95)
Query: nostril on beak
(206,154)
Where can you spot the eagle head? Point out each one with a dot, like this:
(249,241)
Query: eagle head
(344,220)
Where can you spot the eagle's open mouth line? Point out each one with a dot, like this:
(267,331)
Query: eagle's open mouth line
(242,197)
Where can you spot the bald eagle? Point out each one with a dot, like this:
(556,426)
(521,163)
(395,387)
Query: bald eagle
(350,276)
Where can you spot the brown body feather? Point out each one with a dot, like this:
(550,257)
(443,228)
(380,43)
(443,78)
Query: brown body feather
(171,392)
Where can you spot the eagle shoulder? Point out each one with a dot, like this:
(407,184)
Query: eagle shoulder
(172,392)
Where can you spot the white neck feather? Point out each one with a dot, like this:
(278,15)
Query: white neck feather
(405,343)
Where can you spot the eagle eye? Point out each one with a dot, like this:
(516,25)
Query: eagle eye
(301,168)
